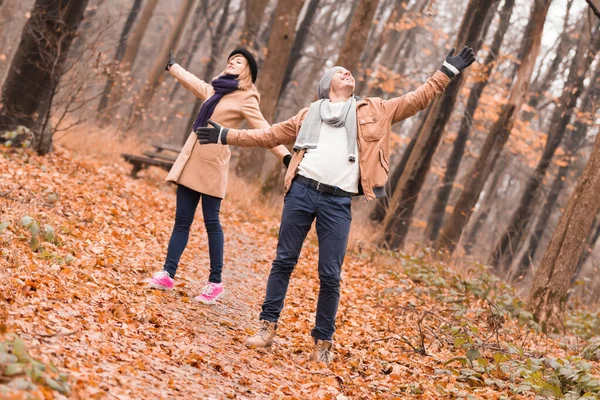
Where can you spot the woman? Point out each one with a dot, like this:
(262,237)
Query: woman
(201,172)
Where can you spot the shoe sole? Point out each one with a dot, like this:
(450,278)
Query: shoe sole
(159,287)
(211,302)
(254,346)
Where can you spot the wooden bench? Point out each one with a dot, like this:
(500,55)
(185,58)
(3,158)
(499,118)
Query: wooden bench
(163,157)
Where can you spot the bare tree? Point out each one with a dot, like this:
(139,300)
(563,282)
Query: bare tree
(434,223)
(356,37)
(475,21)
(269,84)
(299,42)
(133,13)
(37,67)
(255,10)
(122,74)
(504,251)
(573,142)
(216,47)
(494,143)
(157,69)
(552,280)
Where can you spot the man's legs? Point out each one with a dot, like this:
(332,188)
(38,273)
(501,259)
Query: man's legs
(333,227)
(296,219)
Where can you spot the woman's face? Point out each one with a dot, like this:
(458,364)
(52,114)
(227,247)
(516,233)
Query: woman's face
(236,65)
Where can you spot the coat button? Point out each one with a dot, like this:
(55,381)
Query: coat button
(362,121)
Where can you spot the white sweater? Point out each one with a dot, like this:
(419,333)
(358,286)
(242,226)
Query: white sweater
(328,163)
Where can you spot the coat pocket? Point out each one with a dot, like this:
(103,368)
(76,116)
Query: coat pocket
(370,129)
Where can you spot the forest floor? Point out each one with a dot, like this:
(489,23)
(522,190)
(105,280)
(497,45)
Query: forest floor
(77,320)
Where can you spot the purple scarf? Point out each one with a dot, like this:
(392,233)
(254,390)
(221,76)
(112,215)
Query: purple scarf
(223,85)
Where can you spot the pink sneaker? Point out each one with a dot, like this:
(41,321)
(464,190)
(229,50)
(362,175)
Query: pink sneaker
(211,293)
(160,280)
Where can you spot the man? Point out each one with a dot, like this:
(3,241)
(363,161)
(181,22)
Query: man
(342,147)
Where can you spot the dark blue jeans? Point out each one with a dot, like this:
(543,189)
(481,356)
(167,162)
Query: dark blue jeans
(187,201)
(302,205)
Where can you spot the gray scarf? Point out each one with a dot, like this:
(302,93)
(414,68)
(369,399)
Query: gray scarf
(320,111)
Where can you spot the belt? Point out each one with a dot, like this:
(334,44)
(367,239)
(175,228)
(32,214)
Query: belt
(321,187)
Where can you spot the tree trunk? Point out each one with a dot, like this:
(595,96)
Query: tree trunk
(542,82)
(574,141)
(382,204)
(269,84)
(37,68)
(158,68)
(356,36)
(371,54)
(504,251)
(255,10)
(216,46)
(587,250)
(552,280)
(135,9)
(499,133)
(126,64)
(398,39)
(490,195)
(299,41)
(472,30)
(434,223)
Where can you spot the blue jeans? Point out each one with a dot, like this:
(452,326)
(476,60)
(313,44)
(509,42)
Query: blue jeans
(187,201)
(302,205)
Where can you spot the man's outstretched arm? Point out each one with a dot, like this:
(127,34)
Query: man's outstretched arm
(281,133)
(406,106)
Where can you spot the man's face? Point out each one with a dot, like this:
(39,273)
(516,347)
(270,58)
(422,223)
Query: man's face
(342,82)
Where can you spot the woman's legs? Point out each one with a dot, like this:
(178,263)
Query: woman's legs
(187,201)
(211,207)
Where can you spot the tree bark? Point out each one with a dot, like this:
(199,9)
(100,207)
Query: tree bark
(434,222)
(505,249)
(255,10)
(158,68)
(299,41)
(126,63)
(133,13)
(552,280)
(574,141)
(587,250)
(499,133)
(356,36)
(37,68)
(472,30)
(269,84)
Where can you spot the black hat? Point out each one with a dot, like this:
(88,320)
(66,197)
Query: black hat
(251,61)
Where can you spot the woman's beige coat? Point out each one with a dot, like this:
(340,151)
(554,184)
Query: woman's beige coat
(205,168)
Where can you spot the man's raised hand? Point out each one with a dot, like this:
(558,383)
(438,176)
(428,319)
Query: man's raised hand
(213,134)
(455,64)
(171,61)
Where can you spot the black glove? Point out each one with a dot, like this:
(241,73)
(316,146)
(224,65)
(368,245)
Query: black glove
(171,61)
(453,65)
(216,134)
(286,160)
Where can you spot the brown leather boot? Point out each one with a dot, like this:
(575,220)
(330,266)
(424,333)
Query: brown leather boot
(323,351)
(264,336)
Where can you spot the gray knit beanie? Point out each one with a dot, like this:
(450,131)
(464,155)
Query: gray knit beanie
(325,82)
